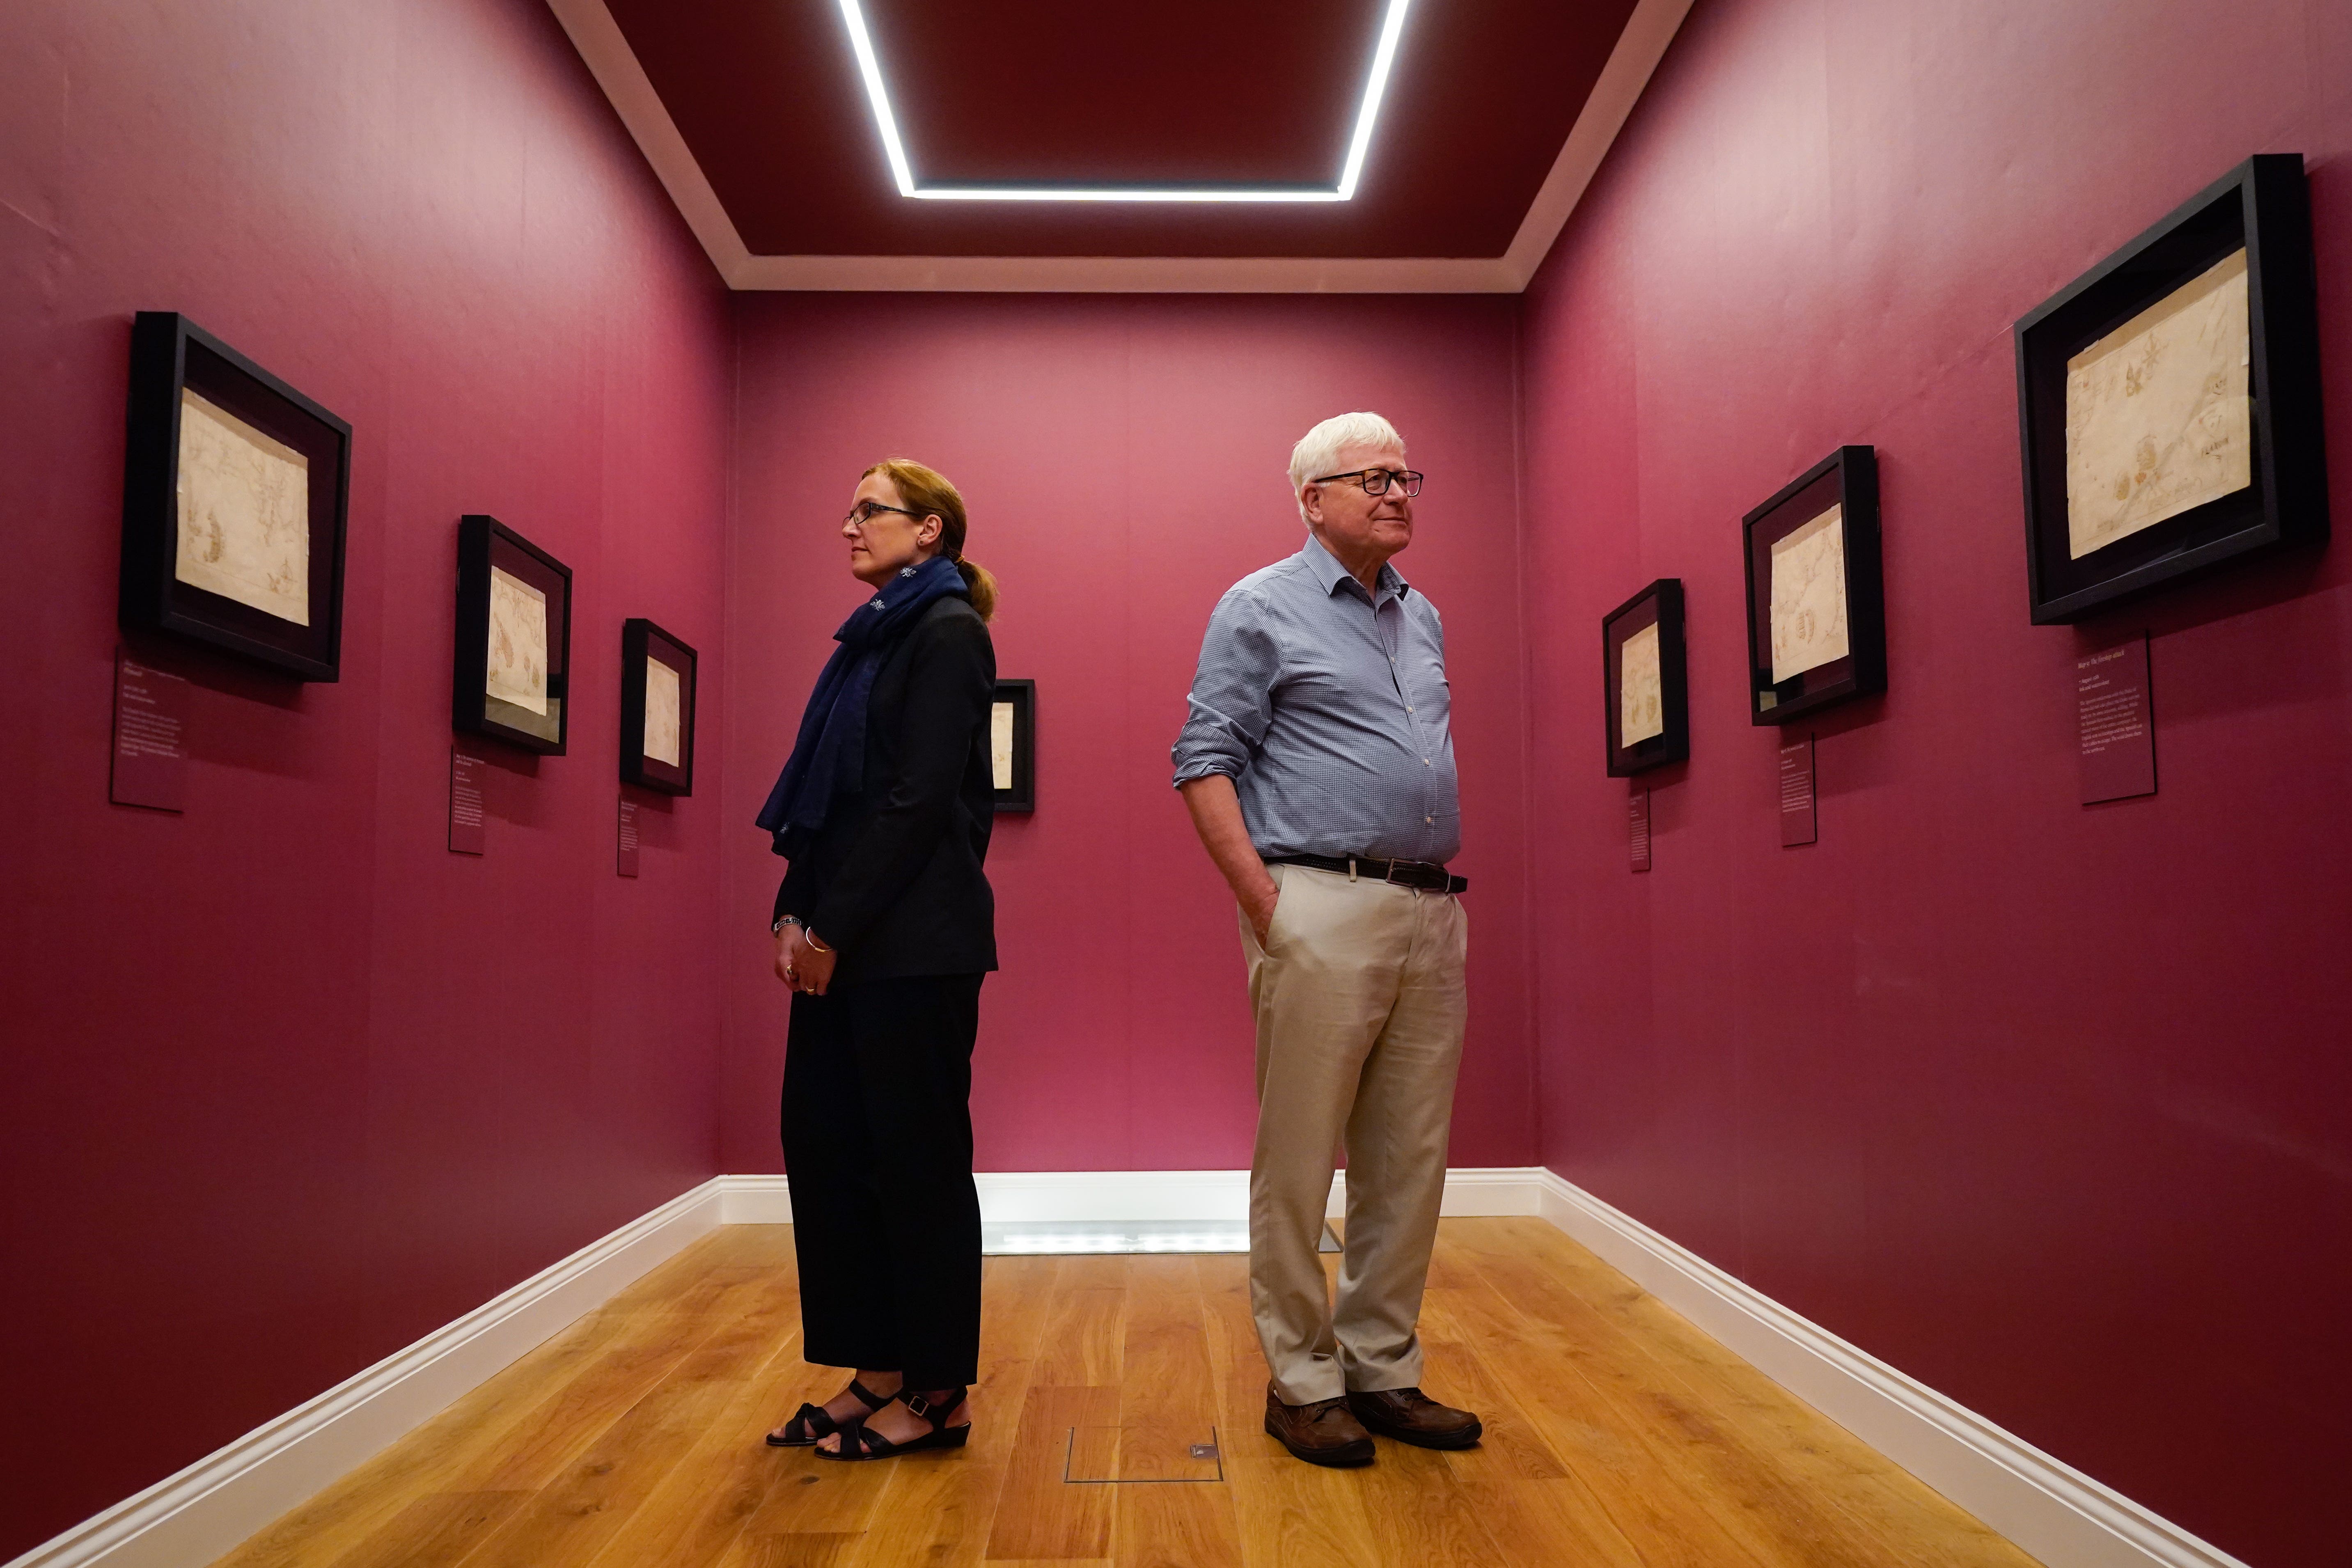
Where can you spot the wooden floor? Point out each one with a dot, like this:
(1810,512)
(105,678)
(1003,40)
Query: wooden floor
(1617,1436)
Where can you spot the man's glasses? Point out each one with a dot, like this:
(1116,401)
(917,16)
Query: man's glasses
(1376,481)
(866,512)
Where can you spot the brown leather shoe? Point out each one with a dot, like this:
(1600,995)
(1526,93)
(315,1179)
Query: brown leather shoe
(1408,1416)
(1322,1433)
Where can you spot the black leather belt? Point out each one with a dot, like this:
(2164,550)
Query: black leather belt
(1418,874)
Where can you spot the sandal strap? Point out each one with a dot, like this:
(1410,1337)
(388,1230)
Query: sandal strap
(867,1397)
(811,1416)
(935,1411)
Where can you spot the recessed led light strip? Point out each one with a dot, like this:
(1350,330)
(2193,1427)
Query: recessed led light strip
(877,96)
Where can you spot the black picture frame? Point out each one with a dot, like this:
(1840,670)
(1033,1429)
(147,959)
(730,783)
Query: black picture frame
(1846,480)
(172,360)
(487,547)
(1021,697)
(642,642)
(2262,207)
(1661,605)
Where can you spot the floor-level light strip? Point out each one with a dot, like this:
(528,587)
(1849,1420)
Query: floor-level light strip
(894,147)
(1032,1239)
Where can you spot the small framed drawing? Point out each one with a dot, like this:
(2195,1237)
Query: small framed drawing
(1645,677)
(1816,614)
(514,638)
(657,708)
(2169,399)
(234,496)
(1012,745)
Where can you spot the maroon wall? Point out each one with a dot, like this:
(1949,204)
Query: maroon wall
(2043,1104)
(288,1084)
(1124,459)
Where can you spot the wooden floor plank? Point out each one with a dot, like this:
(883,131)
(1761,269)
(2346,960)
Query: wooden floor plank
(1756,1494)
(806,1550)
(1167,1385)
(1038,1514)
(1081,1346)
(1618,1436)
(1649,1499)
(750,1246)
(435,1531)
(696,1515)
(1893,1506)
(571,1519)
(1550,1521)
(596,1365)
(1297,1516)
(1168,1403)
(578,1513)
(650,1346)
(1454,1373)
(1175,1526)
(1423,1516)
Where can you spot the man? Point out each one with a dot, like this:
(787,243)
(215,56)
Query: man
(1319,769)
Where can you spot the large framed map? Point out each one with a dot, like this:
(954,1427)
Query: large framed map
(2169,399)
(1644,681)
(511,677)
(1816,606)
(234,496)
(1012,745)
(658,673)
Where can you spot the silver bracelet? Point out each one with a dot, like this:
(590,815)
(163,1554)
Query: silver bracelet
(776,927)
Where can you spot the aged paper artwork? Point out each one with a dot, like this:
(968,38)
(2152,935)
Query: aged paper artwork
(1641,689)
(1000,745)
(244,512)
(661,713)
(2158,416)
(1808,627)
(518,667)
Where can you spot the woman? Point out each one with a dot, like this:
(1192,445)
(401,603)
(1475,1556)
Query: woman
(885,925)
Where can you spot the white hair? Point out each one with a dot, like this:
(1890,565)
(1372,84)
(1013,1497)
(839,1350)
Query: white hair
(1320,449)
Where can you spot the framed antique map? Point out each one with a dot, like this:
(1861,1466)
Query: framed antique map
(235,497)
(657,708)
(1646,698)
(1816,614)
(1012,745)
(2169,399)
(514,638)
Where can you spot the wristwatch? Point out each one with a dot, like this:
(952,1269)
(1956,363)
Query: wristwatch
(776,927)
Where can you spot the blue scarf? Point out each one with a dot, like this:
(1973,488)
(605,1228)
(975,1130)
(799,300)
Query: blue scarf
(829,755)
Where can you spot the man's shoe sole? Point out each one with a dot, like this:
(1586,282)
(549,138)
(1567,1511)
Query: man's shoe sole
(1346,1457)
(1426,1439)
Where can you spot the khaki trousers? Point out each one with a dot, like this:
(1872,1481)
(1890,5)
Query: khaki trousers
(1360,1007)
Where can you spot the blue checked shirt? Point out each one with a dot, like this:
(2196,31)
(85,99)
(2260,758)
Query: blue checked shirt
(1327,707)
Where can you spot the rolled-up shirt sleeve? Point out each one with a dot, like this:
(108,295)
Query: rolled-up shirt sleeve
(1233,691)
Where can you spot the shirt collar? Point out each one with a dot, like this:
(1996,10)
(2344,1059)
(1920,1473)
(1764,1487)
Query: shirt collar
(1331,574)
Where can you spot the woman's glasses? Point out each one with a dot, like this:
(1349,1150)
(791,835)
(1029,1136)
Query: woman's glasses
(1376,481)
(866,512)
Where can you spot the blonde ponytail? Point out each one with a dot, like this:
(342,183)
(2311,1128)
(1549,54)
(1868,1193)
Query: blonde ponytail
(982,585)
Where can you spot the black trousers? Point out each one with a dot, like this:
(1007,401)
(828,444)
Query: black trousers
(877,1140)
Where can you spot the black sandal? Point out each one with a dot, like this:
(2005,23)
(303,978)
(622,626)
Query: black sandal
(874,1446)
(818,1423)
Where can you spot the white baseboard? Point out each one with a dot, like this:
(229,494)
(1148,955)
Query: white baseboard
(2049,1509)
(218,1502)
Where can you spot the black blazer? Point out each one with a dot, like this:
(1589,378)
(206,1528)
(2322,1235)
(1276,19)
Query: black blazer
(893,881)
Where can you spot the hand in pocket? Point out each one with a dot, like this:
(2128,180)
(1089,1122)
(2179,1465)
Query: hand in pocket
(1260,909)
